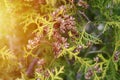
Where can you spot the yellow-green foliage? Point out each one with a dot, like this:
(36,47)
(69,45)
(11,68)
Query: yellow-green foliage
(8,64)
(24,20)
(53,75)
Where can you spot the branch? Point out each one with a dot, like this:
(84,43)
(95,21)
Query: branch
(30,69)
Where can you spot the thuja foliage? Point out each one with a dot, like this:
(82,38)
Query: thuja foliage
(60,39)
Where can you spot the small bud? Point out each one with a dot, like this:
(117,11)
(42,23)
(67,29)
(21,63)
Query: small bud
(38,79)
(41,62)
(66,45)
(97,68)
(116,56)
(38,70)
(79,47)
(42,1)
(89,74)
(89,44)
(53,70)
(83,4)
(87,77)
(29,46)
(96,59)
(47,74)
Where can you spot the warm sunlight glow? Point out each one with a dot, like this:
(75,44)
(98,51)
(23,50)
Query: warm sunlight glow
(6,19)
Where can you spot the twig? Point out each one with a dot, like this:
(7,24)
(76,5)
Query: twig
(30,69)
(84,15)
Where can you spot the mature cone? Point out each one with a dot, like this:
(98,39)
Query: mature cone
(63,25)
